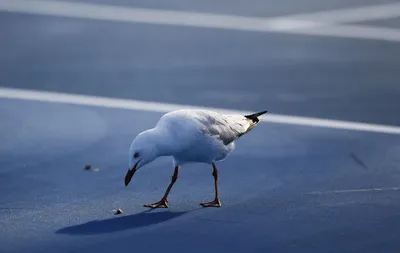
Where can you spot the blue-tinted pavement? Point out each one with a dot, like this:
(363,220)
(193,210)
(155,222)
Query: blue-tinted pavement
(275,187)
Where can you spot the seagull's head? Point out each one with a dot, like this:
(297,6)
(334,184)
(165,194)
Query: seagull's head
(143,150)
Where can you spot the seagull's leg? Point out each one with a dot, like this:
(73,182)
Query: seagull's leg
(163,203)
(215,202)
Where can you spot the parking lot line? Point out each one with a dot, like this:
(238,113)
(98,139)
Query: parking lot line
(303,24)
(56,97)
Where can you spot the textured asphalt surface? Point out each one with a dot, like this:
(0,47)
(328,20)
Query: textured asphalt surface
(275,187)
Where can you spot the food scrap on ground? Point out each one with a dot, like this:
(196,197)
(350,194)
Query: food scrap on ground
(89,167)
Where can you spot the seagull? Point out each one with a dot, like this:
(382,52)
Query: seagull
(189,136)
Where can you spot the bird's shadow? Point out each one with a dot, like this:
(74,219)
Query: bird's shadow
(133,221)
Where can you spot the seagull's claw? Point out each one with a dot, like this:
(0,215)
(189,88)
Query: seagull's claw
(215,203)
(163,203)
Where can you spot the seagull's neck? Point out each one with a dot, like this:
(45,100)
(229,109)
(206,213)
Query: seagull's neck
(163,145)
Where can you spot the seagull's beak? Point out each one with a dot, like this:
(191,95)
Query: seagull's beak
(130,174)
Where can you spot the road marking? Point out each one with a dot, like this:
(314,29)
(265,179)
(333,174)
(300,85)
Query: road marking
(150,16)
(64,98)
(318,24)
(355,191)
(354,31)
(356,14)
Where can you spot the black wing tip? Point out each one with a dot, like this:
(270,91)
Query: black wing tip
(261,113)
(254,116)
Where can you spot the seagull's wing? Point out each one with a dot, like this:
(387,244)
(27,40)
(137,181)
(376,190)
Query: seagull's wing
(225,127)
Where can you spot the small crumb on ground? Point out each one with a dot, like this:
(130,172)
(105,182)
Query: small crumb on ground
(119,211)
(88,167)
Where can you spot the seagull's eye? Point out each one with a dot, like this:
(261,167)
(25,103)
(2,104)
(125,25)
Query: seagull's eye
(136,155)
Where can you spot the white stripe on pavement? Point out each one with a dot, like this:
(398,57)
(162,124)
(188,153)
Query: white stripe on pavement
(355,14)
(354,31)
(56,97)
(319,23)
(150,16)
(355,191)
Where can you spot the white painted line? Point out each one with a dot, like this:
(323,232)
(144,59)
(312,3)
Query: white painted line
(356,14)
(355,191)
(56,97)
(149,16)
(354,31)
(319,24)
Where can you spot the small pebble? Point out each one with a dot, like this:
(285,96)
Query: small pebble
(119,211)
(88,167)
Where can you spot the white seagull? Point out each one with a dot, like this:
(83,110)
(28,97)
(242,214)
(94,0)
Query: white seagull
(189,136)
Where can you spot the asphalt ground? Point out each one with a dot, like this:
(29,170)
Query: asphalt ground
(286,188)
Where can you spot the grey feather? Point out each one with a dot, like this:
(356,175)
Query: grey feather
(227,128)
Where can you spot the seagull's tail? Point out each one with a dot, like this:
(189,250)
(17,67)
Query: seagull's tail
(254,117)
(253,120)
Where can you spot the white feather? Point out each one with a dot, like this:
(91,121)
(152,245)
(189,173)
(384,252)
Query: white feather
(202,135)
(190,136)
